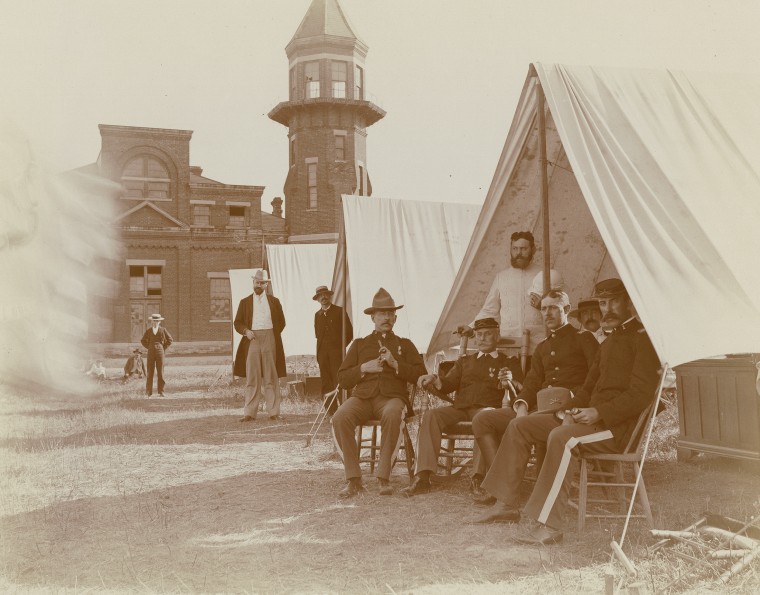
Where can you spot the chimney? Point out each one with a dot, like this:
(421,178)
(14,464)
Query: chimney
(196,170)
(277,206)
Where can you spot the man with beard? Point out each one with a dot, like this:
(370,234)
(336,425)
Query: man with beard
(619,386)
(260,356)
(377,369)
(329,324)
(508,300)
(563,359)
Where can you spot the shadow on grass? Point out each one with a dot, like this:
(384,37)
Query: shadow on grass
(212,429)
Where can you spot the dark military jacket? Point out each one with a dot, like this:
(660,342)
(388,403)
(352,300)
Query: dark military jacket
(623,380)
(562,359)
(476,380)
(388,383)
(328,325)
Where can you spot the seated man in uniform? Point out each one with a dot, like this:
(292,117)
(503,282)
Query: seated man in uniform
(377,369)
(619,386)
(477,380)
(562,359)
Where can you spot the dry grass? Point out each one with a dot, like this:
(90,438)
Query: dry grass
(114,492)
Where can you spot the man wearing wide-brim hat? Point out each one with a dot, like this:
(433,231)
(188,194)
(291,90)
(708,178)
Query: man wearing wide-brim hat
(260,357)
(334,332)
(134,365)
(619,386)
(377,370)
(589,316)
(156,340)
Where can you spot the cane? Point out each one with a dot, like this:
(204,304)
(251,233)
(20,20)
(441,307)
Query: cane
(317,423)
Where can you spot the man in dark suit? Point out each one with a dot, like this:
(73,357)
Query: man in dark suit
(134,365)
(378,369)
(260,356)
(156,340)
(619,386)
(329,320)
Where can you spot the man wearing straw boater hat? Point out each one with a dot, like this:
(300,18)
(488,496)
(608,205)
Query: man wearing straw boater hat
(377,370)
(329,323)
(156,340)
(599,418)
(260,356)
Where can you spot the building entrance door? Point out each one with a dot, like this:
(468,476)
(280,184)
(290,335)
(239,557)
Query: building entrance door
(140,311)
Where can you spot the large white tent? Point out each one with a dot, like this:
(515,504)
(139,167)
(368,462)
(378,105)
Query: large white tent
(411,248)
(654,175)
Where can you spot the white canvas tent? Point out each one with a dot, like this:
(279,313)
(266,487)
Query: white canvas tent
(296,271)
(411,248)
(653,173)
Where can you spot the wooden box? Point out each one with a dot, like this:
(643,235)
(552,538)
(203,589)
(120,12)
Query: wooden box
(719,407)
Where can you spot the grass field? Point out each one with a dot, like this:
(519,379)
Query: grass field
(114,492)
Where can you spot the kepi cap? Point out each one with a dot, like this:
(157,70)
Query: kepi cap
(609,288)
(552,399)
(485,323)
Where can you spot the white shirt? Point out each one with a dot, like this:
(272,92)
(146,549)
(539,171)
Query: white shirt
(508,301)
(262,316)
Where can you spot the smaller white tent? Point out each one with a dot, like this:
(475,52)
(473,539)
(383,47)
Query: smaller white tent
(296,271)
(411,248)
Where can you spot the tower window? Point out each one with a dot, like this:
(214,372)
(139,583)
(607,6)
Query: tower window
(293,83)
(312,183)
(361,180)
(338,79)
(292,151)
(311,74)
(144,280)
(146,178)
(358,82)
(340,147)
(237,217)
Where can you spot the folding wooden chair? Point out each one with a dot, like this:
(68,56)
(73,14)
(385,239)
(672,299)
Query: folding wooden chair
(613,479)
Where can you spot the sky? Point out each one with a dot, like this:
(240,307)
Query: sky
(447,72)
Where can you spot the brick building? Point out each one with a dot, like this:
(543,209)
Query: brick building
(327,116)
(180,232)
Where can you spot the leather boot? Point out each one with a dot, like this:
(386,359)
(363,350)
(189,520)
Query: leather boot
(420,485)
(353,488)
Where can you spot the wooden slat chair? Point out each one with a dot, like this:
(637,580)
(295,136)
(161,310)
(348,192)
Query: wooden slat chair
(370,442)
(458,440)
(606,471)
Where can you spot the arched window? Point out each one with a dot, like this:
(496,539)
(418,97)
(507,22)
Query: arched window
(145,177)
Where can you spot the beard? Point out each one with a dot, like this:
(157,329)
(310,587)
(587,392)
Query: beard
(258,290)
(519,262)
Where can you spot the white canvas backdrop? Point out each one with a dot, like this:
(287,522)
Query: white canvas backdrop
(411,248)
(296,271)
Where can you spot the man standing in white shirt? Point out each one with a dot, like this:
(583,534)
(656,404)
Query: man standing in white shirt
(260,356)
(508,300)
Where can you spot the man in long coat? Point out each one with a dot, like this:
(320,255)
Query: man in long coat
(260,357)
(329,323)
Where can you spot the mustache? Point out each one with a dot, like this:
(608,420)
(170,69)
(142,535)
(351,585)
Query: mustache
(610,316)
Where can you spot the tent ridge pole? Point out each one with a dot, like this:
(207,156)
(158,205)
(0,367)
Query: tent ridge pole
(540,103)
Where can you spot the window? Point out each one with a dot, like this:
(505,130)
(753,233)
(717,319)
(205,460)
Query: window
(338,79)
(292,151)
(340,147)
(201,216)
(358,82)
(312,183)
(237,217)
(145,177)
(293,83)
(361,180)
(311,74)
(144,280)
(221,298)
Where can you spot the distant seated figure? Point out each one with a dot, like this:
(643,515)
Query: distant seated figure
(134,366)
(590,317)
(477,379)
(97,370)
